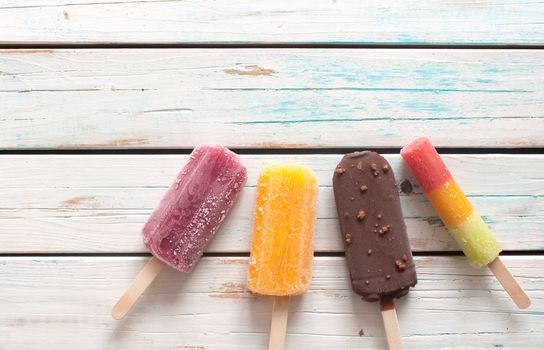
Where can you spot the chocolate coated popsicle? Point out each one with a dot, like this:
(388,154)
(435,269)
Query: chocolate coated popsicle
(372,226)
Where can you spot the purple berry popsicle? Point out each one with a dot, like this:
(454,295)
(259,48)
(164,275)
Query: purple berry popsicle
(194,206)
(188,216)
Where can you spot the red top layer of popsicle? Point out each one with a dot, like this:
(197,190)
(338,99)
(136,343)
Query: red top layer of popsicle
(426,164)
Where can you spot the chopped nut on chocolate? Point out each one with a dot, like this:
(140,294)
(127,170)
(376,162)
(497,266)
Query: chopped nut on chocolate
(376,225)
(374,166)
(369,251)
(364,188)
(400,265)
(405,258)
(367,282)
(361,215)
(348,238)
(387,277)
(385,168)
(376,174)
(340,170)
(379,216)
(384,229)
(360,165)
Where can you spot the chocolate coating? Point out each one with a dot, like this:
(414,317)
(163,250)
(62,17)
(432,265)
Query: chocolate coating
(377,248)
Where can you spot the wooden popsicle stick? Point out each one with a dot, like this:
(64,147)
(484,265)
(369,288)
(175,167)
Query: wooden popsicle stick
(391,324)
(138,286)
(278,327)
(509,283)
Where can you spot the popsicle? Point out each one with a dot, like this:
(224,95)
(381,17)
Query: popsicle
(378,252)
(280,263)
(188,216)
(462,221)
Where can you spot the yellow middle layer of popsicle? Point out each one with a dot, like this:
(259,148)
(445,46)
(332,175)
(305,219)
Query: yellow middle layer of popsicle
(450,203)
(464,224)
(282,248)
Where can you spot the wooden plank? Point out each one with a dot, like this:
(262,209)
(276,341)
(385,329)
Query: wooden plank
(275,98)
(54,302)
(98,203)
(247,22)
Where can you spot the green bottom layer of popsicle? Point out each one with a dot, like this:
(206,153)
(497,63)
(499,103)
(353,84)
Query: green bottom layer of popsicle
(476,241)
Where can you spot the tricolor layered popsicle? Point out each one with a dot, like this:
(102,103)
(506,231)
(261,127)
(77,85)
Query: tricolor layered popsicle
(453,207)
(457,213)
(282,248)
(188,216)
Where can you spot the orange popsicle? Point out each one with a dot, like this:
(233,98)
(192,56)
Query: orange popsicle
(282,248)
(281,254)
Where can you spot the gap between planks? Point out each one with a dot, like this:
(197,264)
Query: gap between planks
(237,46)
(273,151)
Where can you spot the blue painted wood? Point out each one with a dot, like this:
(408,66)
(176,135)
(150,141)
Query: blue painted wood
(268,98)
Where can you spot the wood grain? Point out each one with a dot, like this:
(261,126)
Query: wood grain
(247,22)
(269,98)
(99,203)
(49,302)
(89,99)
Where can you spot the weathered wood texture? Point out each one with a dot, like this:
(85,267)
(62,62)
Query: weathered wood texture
(98,203)
(255,98)
(53,302)
(294,22)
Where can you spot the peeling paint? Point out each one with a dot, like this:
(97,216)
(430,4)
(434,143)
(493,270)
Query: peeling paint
(250,70)
(406,186)
(232,290)
(433,221)
(231,261)
(283,145)
(77,201)
(26,51)
(114,143)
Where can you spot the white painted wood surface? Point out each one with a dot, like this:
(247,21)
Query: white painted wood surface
(56,303)
(270,98)
(99,203)
(260,98)
(295,22)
